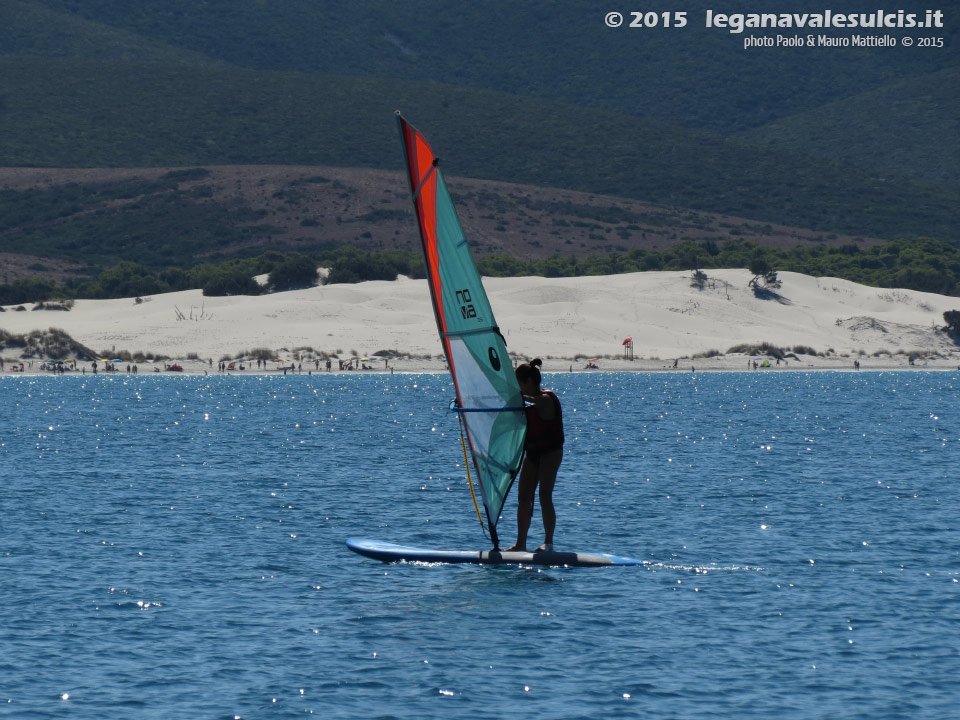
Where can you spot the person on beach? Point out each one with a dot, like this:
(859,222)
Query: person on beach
(543,453)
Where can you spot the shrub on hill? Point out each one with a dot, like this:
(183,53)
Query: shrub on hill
(952,319)
(65,305)
(53,343)
(348,265)
(297,271)
(764,349)
(28,290)
(128,279)
(234,281)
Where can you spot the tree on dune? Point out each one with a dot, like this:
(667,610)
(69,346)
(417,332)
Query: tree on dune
(952,319)
(764,276)
(297,271)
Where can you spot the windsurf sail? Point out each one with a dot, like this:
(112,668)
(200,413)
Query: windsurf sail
(488,396)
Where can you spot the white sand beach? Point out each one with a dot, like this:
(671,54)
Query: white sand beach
(565,321)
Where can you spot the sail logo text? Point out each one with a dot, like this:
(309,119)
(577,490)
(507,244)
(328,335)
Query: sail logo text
(464,300)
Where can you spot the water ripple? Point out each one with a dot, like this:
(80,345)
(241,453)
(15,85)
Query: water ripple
(173,547)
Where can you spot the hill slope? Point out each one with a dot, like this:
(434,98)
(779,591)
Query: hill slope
(163,217)
(900,141)
(841,141)
(693,76)
(172,115)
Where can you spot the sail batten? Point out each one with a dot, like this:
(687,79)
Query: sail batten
(462,333)
(488,396)
(499,409)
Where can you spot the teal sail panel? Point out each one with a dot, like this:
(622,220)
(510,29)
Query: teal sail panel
(488,395)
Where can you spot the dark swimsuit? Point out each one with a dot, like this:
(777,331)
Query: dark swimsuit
(543,436)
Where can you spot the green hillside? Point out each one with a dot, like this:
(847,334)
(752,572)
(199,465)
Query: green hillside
(693,76)
(858,142)
(910,137)
(90,113)
(31,29)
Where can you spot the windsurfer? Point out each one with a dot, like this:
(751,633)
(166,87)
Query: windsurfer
(544,452)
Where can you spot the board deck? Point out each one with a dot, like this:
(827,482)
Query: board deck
(390,552)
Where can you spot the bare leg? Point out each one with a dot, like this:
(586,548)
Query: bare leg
(525,494)
(547,476)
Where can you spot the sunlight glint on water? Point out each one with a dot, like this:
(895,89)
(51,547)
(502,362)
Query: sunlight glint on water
(173,547)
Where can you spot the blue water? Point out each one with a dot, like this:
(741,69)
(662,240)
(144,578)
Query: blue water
(173,547)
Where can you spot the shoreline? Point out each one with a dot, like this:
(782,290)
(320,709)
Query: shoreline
(553,366)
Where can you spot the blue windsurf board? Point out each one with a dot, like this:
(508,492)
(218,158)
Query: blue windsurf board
(390,552)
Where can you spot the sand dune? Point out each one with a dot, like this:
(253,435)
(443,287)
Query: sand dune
(563,320)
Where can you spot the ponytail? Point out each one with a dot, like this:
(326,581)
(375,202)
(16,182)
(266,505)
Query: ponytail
(530,371)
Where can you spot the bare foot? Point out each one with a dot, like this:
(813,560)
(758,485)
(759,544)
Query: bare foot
(546,547)
(517,548)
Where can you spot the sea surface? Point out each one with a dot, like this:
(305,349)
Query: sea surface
(173,547)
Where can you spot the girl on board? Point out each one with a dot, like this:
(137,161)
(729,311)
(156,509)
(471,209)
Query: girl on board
(544,451)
